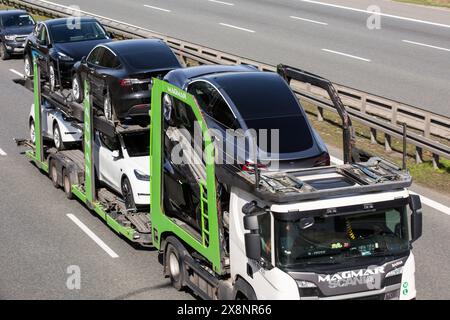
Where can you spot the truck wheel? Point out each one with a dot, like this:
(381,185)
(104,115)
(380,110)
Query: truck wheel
(57,138)
(28,67)
(4,55)
(174,267)
(32,132)
(244,291)
(77,89)
(67,185)
(54,174)
(127,193)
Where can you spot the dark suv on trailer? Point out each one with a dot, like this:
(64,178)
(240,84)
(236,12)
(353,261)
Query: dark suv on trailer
(15,26)
(62,43)
(243,98)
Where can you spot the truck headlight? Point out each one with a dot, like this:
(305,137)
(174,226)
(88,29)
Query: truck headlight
(306,284)
(64,57)
(10,37)
(141,176)
(395,272)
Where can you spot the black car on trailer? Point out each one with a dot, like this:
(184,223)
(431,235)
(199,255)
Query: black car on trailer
(62,43)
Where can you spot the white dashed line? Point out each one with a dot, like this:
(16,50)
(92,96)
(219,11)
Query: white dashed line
(309,20)
(426,45)
(425,200)
(377,13)
(157,8)
(93,236)
(222,2)
(2,153)
(235,27)
(346,55)
(17,73)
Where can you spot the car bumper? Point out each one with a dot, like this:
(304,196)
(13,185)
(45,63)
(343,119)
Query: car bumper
(132,104)
(15,47)
(141,192)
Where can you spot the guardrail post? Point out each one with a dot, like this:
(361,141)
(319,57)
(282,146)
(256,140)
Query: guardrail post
(363,103)
(319,114)
(419,155)
(435,161)
(373,136)
(394,114)
(387,143)
(427,129)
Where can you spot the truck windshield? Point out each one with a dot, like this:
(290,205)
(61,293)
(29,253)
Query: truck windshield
(337,238)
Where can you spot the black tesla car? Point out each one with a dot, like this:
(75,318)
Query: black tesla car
(120,75)
(242,98)
(15,26)
(62,43)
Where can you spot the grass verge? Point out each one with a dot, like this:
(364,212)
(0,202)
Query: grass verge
(433,3)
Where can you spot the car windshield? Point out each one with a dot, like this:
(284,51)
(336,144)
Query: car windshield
(137,144)
(85,31)
(336,239)
(19,20)
(266,102)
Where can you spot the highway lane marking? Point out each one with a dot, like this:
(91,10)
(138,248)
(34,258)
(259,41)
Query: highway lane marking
(222,2)
(346,55)
(235,27)
(377,13)
(157,8)
(425,200)
(2,153)
(17,73)
(93,236)
(426,45)
(309,20)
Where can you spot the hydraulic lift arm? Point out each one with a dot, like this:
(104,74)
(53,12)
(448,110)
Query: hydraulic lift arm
(291,73)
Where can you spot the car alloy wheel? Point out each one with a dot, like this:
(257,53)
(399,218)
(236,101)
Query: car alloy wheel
(27,67)
(57,138)
(52,77)
(76,91)
(32,133)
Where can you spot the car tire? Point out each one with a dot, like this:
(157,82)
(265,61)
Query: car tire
(28,67)
(77,89)
(32,132)
(57,138)
(52,77)
(4,55)
(127,193)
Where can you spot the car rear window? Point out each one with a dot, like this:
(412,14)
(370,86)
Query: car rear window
(142,58)
(87,30)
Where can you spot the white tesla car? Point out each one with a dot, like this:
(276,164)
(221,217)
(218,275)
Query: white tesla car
(124,163)
(56,127)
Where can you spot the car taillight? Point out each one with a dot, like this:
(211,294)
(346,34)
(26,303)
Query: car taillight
(126,82)
(250,166)
(323,161)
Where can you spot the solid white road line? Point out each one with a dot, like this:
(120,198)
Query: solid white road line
(234,27)
(425,200)
(426,45)
(377,13)
(346,55)
(309,20)
(17,73)
(93,236)
(3,153)
(157,8)
(222,2)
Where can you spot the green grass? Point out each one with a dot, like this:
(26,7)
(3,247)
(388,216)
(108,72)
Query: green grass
(434,3)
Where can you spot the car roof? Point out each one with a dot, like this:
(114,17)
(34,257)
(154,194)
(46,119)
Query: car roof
(60,21)
(12,12)
(127,45)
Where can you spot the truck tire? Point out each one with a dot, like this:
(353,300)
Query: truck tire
(4,55)
(67,183)
(53,173)
(244,291)
(28,66)
(57,138)
(173,258)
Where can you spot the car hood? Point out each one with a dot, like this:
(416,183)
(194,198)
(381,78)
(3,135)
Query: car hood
(141,163)
(79,49)
(25,30)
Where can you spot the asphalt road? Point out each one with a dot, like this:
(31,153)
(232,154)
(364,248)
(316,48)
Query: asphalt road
(38,242)
(406,59)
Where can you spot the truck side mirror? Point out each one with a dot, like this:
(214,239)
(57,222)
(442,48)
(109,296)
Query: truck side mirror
(416,218)
(252,239)
(253,246)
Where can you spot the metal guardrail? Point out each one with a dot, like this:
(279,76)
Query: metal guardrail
(377,113)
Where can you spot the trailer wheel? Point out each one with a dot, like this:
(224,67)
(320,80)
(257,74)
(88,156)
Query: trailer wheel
(67,185)
(54,174)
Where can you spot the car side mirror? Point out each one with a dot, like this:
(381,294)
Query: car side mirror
(83,60)
(416,218)
(115,154)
